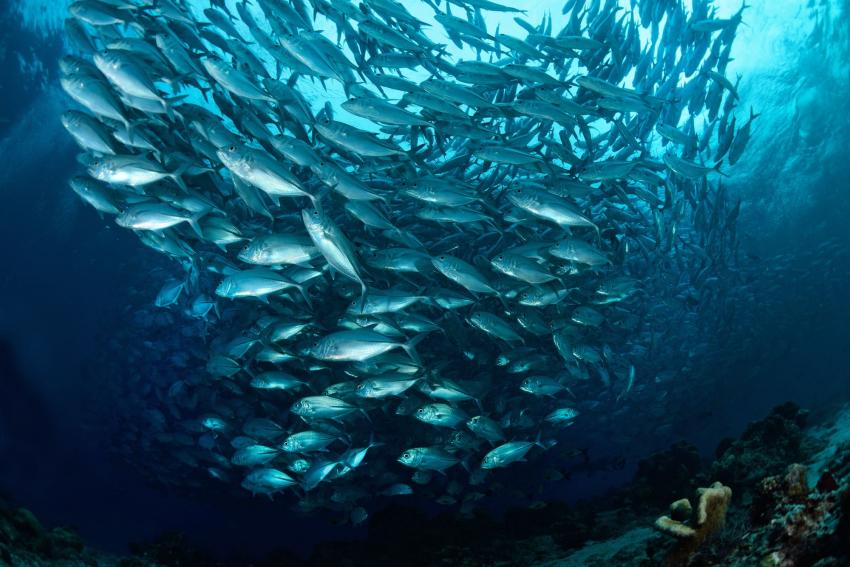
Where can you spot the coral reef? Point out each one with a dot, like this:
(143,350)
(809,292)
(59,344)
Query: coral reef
(798,517)
(710,518)
(765,448)
(792,494)
(795,525)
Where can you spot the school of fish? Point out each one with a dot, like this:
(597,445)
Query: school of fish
(457,247)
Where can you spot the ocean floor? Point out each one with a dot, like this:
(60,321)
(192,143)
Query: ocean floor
(778,496)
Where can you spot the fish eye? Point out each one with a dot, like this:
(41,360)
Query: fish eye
(442,257)
(231,149)
(406,455)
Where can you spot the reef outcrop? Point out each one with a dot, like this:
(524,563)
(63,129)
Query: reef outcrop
(765,448)
(791,506)
(25,542)
(794,523)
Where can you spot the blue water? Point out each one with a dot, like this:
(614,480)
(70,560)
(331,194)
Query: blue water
(70,281)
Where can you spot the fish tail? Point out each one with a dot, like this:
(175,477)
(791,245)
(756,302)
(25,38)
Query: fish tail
(544,444)
(364,291)
(193,222)
(167,107)
(410,347)
(305,294)
(176,176)
(466,463)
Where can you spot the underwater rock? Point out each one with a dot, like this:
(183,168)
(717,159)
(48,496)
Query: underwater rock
(765,448)
(710,518)
(25,542)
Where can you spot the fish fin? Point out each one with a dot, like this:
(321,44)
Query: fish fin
(168,110)
(176,176)
(544,444)
(409,347)
(193,222)
(305,294)
(364,291)
(130,126)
